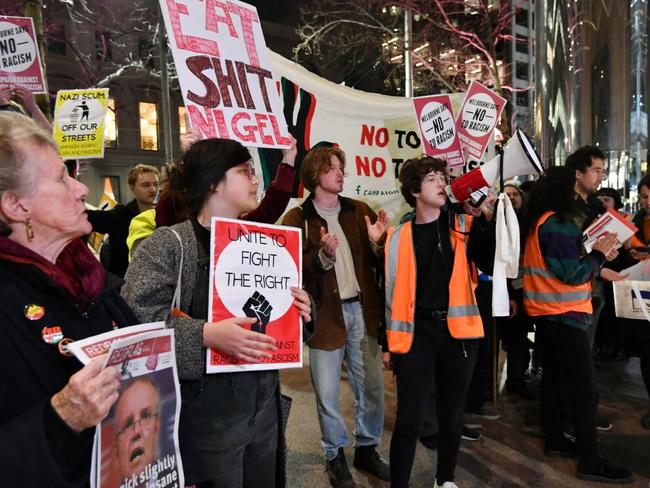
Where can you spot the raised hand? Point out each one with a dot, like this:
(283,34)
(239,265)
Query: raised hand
(257,306)
(377,230)
(289,155)
(328,243)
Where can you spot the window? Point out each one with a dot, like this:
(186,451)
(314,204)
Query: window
(103,45)
(522,46)
(182,126)
(111,185)
(55,43)
(110,125)
(522,99)
(148,126)
(521,70)
(521,17)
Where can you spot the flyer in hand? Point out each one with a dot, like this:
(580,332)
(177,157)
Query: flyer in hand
(608,223)
(137,443)
(252,267)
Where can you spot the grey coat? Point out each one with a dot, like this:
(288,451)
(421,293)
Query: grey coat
(150,285)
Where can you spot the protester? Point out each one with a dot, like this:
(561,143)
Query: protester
(172,209)
(640,336)
(515,328)
(28,102)
(228,432)
(432,321)
(557,294)
(53,292)
(610,198)
(340,260)
(143,181)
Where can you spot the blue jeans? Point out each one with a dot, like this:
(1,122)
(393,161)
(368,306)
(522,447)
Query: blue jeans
(363,356)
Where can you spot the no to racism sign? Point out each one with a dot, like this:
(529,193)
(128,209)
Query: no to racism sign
(437,126)
(20,62)
(224,71)
(252,267)
(477,119)
(79,117)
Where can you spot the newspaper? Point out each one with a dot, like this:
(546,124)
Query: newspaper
(608,223)
(88,349)
(136,445)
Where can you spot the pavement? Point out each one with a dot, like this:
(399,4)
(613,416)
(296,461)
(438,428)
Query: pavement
(508,455)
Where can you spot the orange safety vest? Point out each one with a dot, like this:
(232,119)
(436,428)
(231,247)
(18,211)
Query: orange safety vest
(633,241)
(544,294)
(463,318)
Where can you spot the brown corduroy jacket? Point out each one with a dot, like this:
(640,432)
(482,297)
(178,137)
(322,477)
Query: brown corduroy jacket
(322,285)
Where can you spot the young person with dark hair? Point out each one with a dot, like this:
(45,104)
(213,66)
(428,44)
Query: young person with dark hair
(229,427)
(432,320)
(557,294)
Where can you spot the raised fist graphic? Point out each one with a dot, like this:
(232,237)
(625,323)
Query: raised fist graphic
(257,306)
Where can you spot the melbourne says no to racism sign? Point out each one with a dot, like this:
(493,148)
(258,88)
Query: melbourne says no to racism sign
(252,267)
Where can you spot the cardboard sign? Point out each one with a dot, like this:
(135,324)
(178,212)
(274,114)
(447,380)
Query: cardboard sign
(224,71)
(608,223)
(477,119)
(252,267)
(632,299)
(20,61)
(79,117)
(437,126)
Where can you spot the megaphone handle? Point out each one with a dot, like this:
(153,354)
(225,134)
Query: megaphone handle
(501,153)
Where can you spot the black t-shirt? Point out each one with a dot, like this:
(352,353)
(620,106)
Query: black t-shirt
(433,267)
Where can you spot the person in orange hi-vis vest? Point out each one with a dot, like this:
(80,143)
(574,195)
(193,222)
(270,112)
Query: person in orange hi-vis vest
(557,295)
(432,318)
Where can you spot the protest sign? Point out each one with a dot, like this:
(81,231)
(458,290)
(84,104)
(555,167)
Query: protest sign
(632,299)
(224,71)
(79,117)
(477,119)
(252,267)
(377,132)
(437,126)
(137,443)
(86,350)
(20,62)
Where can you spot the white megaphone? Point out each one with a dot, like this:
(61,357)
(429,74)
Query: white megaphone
(519,158)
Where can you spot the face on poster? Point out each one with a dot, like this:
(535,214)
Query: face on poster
(253,268)
(224,71)
(20,63)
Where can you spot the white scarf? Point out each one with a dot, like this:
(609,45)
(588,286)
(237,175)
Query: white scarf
(506,257)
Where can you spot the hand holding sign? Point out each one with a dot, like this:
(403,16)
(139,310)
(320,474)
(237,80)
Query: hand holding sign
(232,337)
(257,306)
(302,303)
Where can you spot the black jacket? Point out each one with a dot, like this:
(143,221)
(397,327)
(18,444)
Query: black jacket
(37,449)
(115,223)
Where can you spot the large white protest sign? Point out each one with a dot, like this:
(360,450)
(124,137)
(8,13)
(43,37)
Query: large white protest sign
(224,71)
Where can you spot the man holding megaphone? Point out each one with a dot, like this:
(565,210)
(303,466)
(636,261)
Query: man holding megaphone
(432,320)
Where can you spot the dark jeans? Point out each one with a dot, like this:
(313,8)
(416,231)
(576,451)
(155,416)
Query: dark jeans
(480,389)
(569,375)
(228,430)
(645,364)
(435,361)
(515,340)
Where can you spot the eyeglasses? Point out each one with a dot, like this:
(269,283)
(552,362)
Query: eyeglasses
(248,170)
(146,422)
(436,178)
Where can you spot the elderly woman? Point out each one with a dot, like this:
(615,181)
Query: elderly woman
(53,291)
(229,435)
